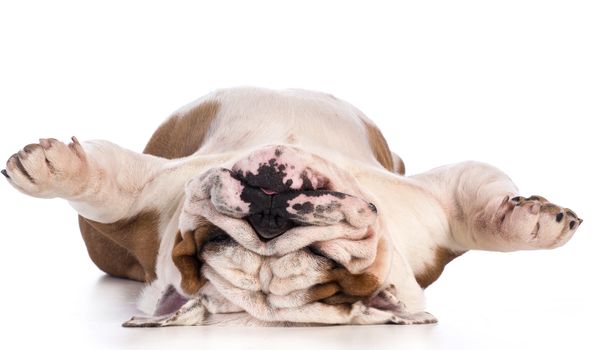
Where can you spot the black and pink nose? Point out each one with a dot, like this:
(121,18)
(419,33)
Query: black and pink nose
(268,211)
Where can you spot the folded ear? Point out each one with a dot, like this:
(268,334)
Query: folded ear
(185,256)
(386,302)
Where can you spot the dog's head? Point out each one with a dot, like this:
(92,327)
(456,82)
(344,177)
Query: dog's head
(280,229)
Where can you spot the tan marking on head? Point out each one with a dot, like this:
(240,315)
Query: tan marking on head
(322,291)
(363,284)
(185,255)
(433,269)
(183,134)
(126,248)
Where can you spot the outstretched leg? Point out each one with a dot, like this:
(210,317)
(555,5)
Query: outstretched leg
(122,196)
(102,181)
(486,212)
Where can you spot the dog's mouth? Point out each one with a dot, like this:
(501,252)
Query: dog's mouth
(270,214)
(217,238)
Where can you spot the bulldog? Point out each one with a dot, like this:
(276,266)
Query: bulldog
(260,207)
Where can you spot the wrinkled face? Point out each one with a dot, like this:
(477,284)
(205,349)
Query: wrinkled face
(277,232)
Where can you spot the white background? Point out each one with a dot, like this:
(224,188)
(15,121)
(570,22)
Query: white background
(511,83)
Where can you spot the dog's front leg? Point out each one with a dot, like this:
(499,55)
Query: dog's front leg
(102,181)
(486,212)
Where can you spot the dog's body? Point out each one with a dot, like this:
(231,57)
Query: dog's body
(344,236)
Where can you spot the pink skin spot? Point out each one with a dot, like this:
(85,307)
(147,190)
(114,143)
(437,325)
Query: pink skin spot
(267,191)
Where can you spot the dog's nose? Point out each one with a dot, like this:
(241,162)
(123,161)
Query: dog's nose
(268,214)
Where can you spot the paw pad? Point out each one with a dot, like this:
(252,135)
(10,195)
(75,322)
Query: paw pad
(537,222)
(48,169)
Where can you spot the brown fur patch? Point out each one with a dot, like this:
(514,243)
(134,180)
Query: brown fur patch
(322,291)
(341,298)
(129,248)
(434,269)
(381,150)
(126,248)
(185,255)
(363,284)
(398,164)
(183,134)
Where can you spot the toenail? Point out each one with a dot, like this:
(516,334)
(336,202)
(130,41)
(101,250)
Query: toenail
(559,217)
(572,223)
(372,207)
(5,173)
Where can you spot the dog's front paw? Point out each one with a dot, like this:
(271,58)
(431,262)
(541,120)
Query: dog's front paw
(48,169)
(534,222)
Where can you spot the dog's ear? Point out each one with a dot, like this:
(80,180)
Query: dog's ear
(185,256)
(386,302)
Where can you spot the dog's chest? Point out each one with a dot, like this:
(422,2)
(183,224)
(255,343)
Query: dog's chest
(323,125)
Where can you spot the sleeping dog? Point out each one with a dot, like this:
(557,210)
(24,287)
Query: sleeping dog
(260,207)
